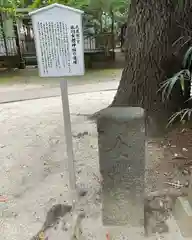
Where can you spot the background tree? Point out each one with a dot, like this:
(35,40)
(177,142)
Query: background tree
(98,13)
(158,34)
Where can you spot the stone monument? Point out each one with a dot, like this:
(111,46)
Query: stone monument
(121,140)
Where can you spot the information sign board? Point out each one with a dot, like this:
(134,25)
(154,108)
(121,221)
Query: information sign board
(59,41)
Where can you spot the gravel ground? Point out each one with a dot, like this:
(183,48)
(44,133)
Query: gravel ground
(33,159)
(31,92)
(33,165)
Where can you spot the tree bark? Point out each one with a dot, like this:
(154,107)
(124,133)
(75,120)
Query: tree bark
(158,35)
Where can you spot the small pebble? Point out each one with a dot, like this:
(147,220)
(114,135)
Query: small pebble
(64,228)
(14,214)
(186,184)
(82,192)
(184,149)
(185,172)
(97,198)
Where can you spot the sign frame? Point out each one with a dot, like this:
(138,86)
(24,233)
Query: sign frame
(42,14)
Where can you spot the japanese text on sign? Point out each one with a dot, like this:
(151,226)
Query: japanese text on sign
(75,39)
(54,45)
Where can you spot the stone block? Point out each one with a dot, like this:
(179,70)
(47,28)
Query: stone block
(183,216)
(121,141)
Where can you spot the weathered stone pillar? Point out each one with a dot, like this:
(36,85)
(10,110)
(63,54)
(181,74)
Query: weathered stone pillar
(121,139)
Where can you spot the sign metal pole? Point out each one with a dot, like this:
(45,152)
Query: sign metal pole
(68,137)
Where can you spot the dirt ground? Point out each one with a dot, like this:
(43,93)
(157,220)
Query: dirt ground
(33,166)
(30,76)
(169,167)
(176,159)
(33,160)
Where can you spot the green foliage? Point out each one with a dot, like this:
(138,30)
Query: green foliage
(99,13)
(184,114)
(187,61)
(167,86)
(181,77)
(99,5)
(119,8)
(10,6)
(180,3)
(74,3)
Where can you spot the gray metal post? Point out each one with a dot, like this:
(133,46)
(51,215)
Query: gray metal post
(121,140)
(68,137)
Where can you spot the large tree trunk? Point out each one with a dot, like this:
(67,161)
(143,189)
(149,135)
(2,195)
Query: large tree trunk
(158,35)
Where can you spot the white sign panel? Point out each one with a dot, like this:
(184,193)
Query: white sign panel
(59,41)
